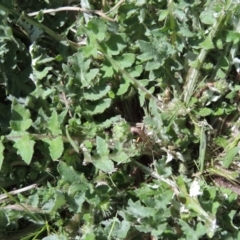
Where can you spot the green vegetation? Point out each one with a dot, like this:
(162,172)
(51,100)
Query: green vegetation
(119,119)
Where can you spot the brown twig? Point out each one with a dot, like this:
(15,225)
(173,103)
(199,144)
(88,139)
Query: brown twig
(140,132)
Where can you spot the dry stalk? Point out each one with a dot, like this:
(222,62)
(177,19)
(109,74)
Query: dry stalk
(4,196)
(77,9)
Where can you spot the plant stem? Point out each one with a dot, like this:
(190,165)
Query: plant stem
(77,9)
(132,80)
(193,72)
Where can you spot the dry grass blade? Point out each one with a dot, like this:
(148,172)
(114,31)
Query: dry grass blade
(76,9)
(4,196)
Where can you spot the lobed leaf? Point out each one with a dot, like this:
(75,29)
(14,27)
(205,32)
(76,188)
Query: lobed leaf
(53,124)
(20,120)
(55,147)
(24,147)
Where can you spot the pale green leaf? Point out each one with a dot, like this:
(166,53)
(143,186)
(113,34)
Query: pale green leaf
(207,44)
(55,147)
(139,211)
(140,2)
(233,36)
(207,17)
(125,60)
(162,14)
(188,231)
(24,147)
(204,112)
(96,92)
(41,74)
(123,88)
(124,228)
(99,107)
(230,155)
(135,71)
(104,164)
(53,204)
(102,146)
(89,236)
(107,70)
(69,174)
(53,124)
(121,157)
(78,191)
(91,74)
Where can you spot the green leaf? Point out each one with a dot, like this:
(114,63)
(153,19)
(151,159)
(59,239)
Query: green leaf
(135,71)
(233,36)
(98,28)
(116,43)
(42,74)
(125,60)
(75,204)
(1,151)
(90,49)
(205,112)
(147,49)
(107,70)
(139,211)
(98,107)
(90,76)
(53,204)
(103,163)
(55,147)
(230,155)
(53,124)
(140,2)
(121,157)
(24,147)
(207,17)
(89,236)
(207,44)
(96,92)
(123,230)
(102,147)
(162,15)
(123,88)
(20,120)
(188,231)
(120,131)
(68,174)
